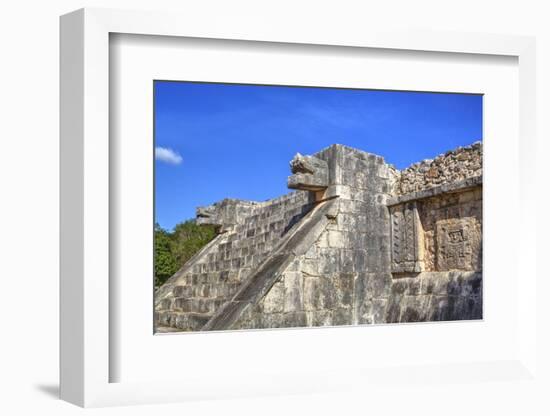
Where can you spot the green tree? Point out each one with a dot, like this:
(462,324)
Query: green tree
(188,238)
(165,263)
(174,249)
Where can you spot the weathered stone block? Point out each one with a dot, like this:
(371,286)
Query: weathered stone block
(341,191)
(311,288)
(415,308)
(335,239)
(319,318)
(164,318)
(294,288)
(349,260)
(183,291)
(310,267)
(184,304)
(433,283)
(379,284)
(393,308)
(319,293)
(329,261)
(197,321)
(166,304)
(311,254)
(274,301)
(344,284)
(342,316)
(272,320)
(441,308)
(378,311)
(294,319)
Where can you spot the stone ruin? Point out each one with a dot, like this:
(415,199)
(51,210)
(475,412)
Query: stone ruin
(357,242)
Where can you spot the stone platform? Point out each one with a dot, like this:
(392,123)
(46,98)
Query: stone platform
(356,242)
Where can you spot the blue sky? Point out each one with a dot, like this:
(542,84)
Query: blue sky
(215,141)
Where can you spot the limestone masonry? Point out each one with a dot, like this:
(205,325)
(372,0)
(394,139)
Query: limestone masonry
(357,242)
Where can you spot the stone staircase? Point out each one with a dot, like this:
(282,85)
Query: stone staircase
(192,305)
(292,245)
(212,277)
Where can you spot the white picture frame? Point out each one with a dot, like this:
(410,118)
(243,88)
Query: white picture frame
(85,208)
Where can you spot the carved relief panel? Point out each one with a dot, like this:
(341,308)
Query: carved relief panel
(454,244)
(406,237)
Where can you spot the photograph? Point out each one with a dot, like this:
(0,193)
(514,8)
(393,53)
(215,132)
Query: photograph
(282,206)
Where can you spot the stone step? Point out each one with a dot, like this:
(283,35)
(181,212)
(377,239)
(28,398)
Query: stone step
(192,321)
(184,291)
(205,290)
(183,321)
(197,305)
(219,274)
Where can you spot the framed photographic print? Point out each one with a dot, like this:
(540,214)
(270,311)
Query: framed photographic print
(330,200)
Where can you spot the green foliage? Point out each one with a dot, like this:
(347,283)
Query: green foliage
(174,249)
(165,263)
(188,238)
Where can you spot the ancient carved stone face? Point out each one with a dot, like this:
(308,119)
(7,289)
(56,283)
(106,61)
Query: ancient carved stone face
(225,213)
(456,236)
(207,215)
(454,248)
(309,173)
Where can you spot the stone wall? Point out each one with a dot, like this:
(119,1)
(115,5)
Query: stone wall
(436,223)
(446,283)
(453,166)
(435,296)
(358,243)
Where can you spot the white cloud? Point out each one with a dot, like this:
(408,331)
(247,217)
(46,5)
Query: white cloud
(167,155)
